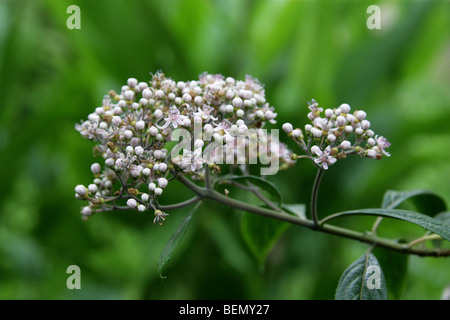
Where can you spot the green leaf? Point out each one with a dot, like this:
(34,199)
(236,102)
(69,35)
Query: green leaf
(297,209)
(166,253)
(429,223)
(260,182)
(395,267)
(261,234)
(362,280)
(425,201)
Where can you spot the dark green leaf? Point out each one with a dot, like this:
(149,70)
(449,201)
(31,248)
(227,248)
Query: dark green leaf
(261,234)
(420,219)
(261,183)
(425,201)
(166,253)
(362,280)
(395,266)
(297,209)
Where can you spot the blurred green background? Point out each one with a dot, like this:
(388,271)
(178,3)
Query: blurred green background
(52,77)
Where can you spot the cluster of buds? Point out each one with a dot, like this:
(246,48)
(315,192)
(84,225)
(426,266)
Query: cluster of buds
(336,133)
(134,131)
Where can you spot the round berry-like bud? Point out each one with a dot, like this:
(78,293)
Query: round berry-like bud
(81,191)
(365,124)
(186,122)
(146,172)
(139,151)
(361,115)
(208,128)
(86,211)
(116,120)
(128,134)
(237,102)
(346,144)
(317,133)
(151,186)
(296,133)
(162,167)
(240,113)
(259,114)
(370,133)
(372,153)
(331,137)
(340,121)
(348,129)
(287,127)
(371,142)
(229,94)
(141,208)
(158,154)
(198,100)
(145,197)
(229,108)
(187,97)
(198,143)
(140,125)
(359,131)
(308,127)
(159,94)
(96,168)
(131,203)
(129,149)
(158,191)
(162,182)
(132,82)
(128,95)
(345,108)
(158,114)
(92,188)
(329,113)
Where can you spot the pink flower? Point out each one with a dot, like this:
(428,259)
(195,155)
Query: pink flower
(174,118)
(192,161)
(324,157)
(382,144)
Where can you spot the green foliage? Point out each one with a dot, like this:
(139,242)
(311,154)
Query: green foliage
(51,77)
(356,282)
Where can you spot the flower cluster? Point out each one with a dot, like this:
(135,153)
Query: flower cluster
(216,118)
(336,133)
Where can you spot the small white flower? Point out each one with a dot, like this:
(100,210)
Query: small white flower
(131,203)
(95,168)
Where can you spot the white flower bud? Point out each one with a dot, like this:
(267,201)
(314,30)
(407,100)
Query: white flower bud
(159,94)
(348,129)
(93,117)
(146,172)
(186,122)
(128,134)
(128,95)
(296,133)
(359,131)
(365,124)
(116,120)
(162,167)
(81,191)
(86,211)
(345,108)
(140,125)
(103,125)
(158,113)
(208,128)
(109,162)
(198,100)
(240,113)
(370,133)
(95,168)
(331,137)
(132,82)
(187,97)
(198,143)
(162,182)
(151,186)
(329,113)
(158,191)
(361,115)
(259,114)
(178,101)
(181,85)
(171,96)
(340,121)
(316,150)
(317,133)
(153,131)
(308,127)
(139,151)
(158,154)
(287,127)
(346,144)
(117,110)
(371,153)
(371,142)
(129,149)
(93,188)
(229,94)
(145,197)
(131,203)
(237,102)
(141,208)
(229,108)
